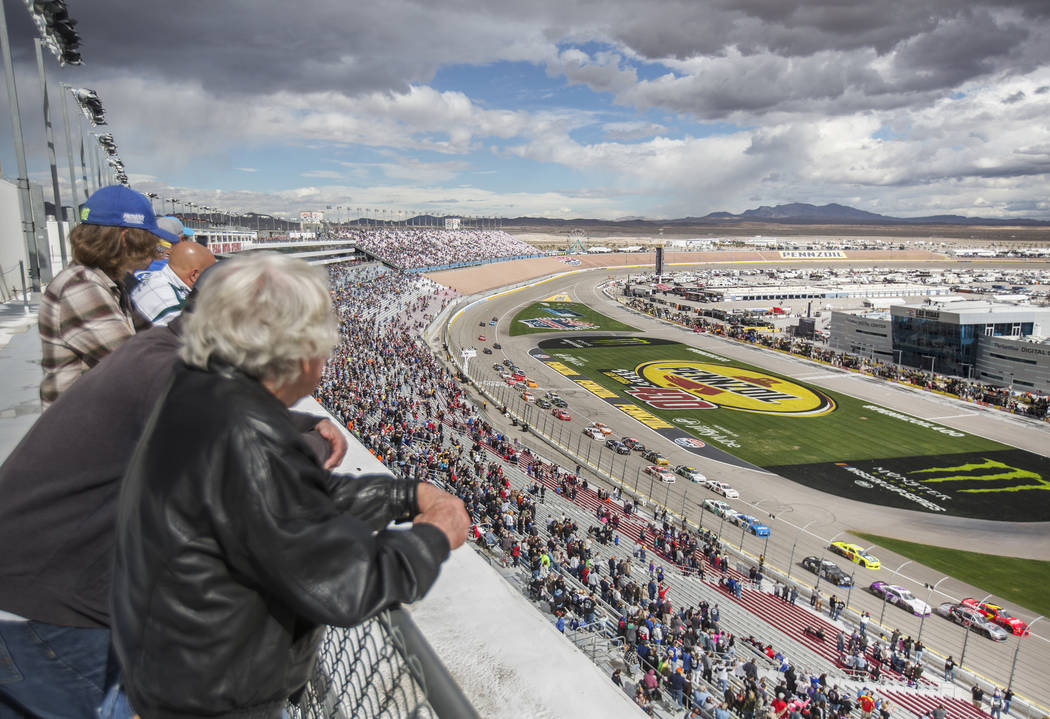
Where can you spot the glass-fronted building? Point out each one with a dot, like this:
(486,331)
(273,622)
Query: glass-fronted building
(943,337)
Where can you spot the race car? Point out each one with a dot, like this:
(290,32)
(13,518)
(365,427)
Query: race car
(751,524)
(633,444)
(603,428)
(717,506)
(973,619)
(690,473)
(593,432)
(656,458)
(559,402)
(487,350)
(543,404)
(828,570)
(497,367)
(481,338)
(722,488)
(995,613)
(660,473)
(895,594)
(561,414)
(617,446)
(855,554)
(527,396)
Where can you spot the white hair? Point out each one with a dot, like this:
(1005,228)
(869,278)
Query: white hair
(262,313)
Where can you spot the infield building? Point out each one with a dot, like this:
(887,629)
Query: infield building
(991,342)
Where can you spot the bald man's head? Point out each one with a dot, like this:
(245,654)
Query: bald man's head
(188,259)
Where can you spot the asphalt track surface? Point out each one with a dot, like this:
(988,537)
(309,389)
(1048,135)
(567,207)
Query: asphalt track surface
(803,520)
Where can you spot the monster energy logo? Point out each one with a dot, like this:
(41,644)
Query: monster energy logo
(965,474)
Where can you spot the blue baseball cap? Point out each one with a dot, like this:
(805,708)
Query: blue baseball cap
(120,206)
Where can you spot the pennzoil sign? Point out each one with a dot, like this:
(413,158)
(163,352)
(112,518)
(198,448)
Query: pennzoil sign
(686,385)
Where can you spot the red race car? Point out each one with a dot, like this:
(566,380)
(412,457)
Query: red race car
(561,414)
(1000,616)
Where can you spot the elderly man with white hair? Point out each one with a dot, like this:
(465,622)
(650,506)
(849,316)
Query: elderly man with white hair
(234,546)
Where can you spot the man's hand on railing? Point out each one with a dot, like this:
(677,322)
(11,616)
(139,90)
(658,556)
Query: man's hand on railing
(444,511)
(335,440)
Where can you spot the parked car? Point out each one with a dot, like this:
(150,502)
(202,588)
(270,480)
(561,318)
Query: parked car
(855,554)
(561,414)
(751,524)
(828,570)
(617,446)
(717,506)
(690,473)
(995,613)
(973,619)
(724,489)
(896,594)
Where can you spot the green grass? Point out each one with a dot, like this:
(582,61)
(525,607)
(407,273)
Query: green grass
(583,313)
(1020,581)
(851,432)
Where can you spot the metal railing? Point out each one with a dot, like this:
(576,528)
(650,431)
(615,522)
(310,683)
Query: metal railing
(381,668)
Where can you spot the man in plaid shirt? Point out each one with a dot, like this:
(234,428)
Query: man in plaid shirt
(85,312)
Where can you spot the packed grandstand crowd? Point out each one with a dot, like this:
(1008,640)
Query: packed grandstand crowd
(1023,403)
(385,385)
(418,248)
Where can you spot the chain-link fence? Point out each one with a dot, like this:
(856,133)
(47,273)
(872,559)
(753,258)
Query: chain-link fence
(381,668)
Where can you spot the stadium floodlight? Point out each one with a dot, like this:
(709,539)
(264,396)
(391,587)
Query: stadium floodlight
(90,105)
(57,29)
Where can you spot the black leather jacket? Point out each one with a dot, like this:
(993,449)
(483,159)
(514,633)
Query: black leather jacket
(234,547)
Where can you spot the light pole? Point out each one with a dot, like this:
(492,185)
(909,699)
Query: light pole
(883,614)
(849,592)
(1013,664)
(929,596)
(966,629)
(820,562)
(791,559)
(765,546)
(33,249)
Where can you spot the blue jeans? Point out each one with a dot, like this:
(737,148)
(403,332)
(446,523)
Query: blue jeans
(50,671)
(117,706)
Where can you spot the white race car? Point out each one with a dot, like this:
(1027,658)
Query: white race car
(900,596)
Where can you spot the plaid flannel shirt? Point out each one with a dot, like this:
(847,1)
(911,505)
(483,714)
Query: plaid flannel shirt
(84,315)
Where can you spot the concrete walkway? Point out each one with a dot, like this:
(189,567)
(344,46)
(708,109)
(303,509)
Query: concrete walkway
(19,373)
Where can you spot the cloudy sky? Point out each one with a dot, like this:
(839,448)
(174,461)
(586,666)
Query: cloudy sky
(566,108)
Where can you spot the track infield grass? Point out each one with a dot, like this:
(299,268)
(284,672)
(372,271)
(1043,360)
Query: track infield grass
(851,431)
(1016,580)
(566,313)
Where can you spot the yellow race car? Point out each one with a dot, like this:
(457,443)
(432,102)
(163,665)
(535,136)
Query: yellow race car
(855,554)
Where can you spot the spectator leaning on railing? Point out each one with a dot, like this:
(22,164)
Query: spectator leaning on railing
(85,313)
(58,494)
(233,544)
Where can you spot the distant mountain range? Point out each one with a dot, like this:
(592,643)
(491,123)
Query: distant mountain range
(795,213)
(800,213)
